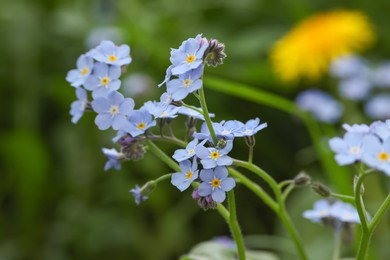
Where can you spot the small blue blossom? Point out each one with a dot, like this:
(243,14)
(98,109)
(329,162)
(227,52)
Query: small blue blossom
(140,121)
(215,182)
(166,98)
(381,129)
(228,129)
(78,107)
(114,158)
(192,113)
(349,149)
(378,107)
(84,67)
(185,154)
(212,157)
(377,154)
(112,111)
(322,105)
(381,76)
(356,88)
(362,128)
(103,80)
(348,66)
(187,83)
(324,210)
(109,53)
(161,110)
(136,192)
(189,172)
(251,128)
(189,55)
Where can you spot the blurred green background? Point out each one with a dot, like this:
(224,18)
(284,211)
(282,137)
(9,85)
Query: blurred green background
(56,201)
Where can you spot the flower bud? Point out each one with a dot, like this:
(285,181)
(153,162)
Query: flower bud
(148,187)
(321,189)
(135,151)
(302,179)
(222,142)
(204,202)
(214,54)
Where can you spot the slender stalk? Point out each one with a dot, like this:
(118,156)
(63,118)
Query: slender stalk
(366,233)
(234,227)
(206,115)
(346,198)
(337,244)
(250,156)
(382,209)
(162,156)
(163,177)
(287,191)
(168,139)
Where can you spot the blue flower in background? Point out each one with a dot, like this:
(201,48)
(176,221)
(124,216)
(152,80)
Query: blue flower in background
(215,182)
(109,53)
(381,129)
(103,80)
(189,172)
(348,66)
(250,128)
(140,121)
(78,107)
(377,154)
(84,67)
(322,105)
(356,88)
(349,149)
(189,55)
(136,192)
(187,83)
(212,157)
(114,158)
(381,76)
(185,154)
(345,212)
(378,107)
(113,111)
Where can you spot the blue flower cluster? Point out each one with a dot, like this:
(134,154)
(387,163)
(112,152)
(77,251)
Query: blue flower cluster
(369,144)
(99,70)
(336,212)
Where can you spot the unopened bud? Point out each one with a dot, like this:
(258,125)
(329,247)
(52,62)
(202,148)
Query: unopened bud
(204,202)
(148,188)
(302,179)
(134,151)
(221,143)
(214,54)
(321,189)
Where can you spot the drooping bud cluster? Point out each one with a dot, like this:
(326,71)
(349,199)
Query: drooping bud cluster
(214,54)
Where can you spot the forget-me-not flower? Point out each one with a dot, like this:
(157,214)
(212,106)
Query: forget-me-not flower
(381,76)
(212,157)
(103,80)
(140,121)
(113,110)
(381,129)
(378,107)
(84,67)
(189,172)
(348,66)
(348,149)
(109,53)
(362,128)
(187,83)
(377,154)
(78,107)
(356,88)
(188,152)
(114,158)
(136,192)
(189,55)
(161,110)
(215,182)
(250,128)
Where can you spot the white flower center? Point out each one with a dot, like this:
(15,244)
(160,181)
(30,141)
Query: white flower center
(114,110)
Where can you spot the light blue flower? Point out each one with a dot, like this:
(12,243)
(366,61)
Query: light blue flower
(185,154)
(381,76)
(109,53)
(378,107)
(322,105)
(114,158)
(113,111)
(250,128)
(205,132)
(348,66)
(189,55)
(161,110)
(356,88)
(192,113)
(189,172)
(187,83)
(381,129)
(215,182)
(228,129)
(362,128)
(140,121)
(78,107)
(103,80)
(166,98)
(348,149)
(212,157)
(377,154)
(325,210)
(136,192)
(84,67)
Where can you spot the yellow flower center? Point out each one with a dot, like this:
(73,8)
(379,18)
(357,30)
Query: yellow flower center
(192,151)
(141,125)
(214,155)
(84,71)
(164,114)
(187,83)
(112,58)
(383,156)
(190,58)
(114,110)
(189,175)
(216,183)
(105,81)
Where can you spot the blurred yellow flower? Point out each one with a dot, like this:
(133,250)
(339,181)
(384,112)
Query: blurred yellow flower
(307,50)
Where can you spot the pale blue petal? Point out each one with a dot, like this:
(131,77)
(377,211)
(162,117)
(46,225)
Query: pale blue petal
(218,195)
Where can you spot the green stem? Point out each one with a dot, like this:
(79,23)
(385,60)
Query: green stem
(168,139)
(287,191)
(254,188)
(206,115)
(346,198)
(164,177)
(163,156)
(382,209)
(224,212)
(234,227)
(366,233)
(337,244)
(250,156)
